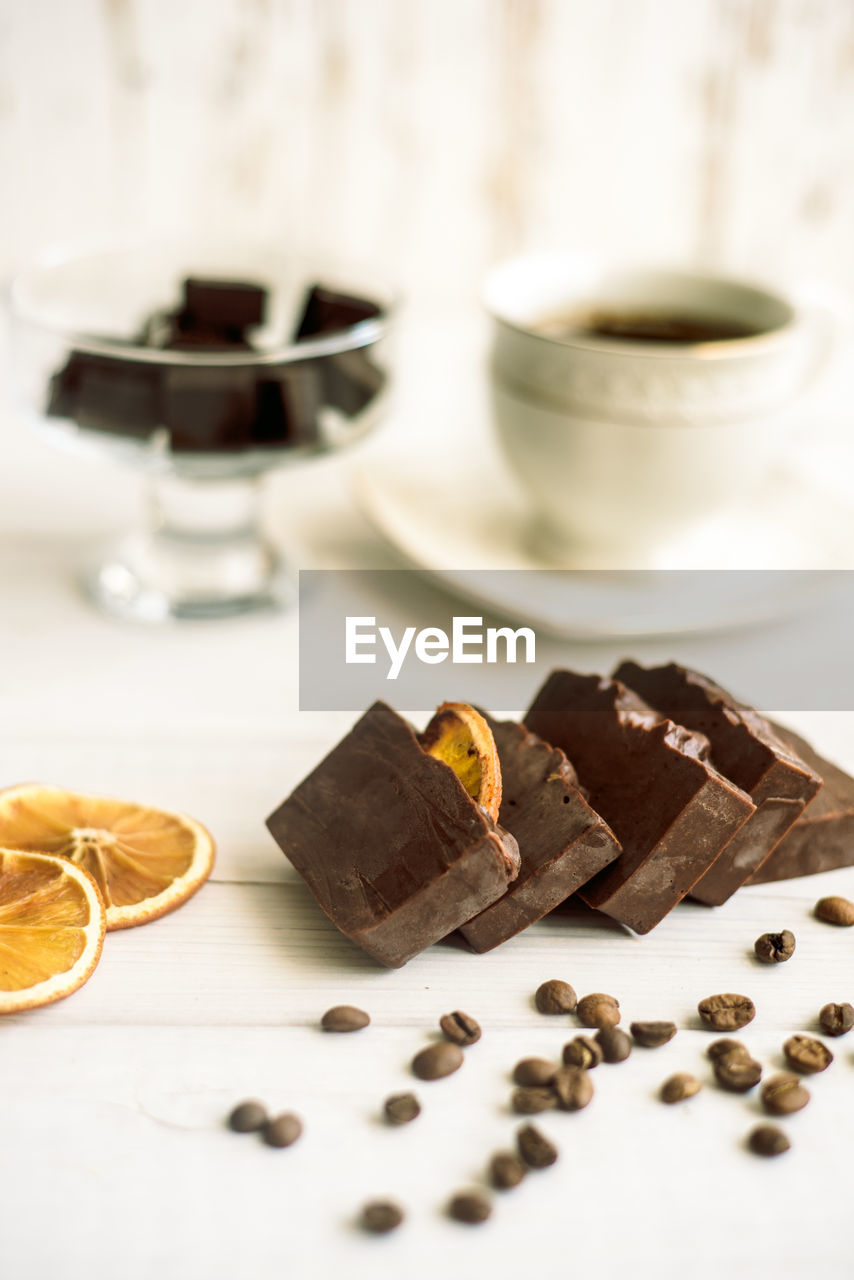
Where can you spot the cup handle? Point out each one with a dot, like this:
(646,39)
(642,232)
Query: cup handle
(828,313)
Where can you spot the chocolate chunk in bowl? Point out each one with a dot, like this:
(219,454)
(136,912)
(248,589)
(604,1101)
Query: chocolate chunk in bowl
(390,843)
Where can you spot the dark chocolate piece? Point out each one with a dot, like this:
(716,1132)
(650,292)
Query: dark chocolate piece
(208,409)
(747,751)
(288,404)
(108,393)
(351,381)
(223,304)
(562,841)
(649,779)
(328,311)
(822,839)
(387,839)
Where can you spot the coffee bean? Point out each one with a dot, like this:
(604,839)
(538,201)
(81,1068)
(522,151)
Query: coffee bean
(437,1060)
(737,1072)
(529,1101)
(400,1108)
(783,1094)
(344,1017)
(679,1087)
(720,1048)
(470,1207)
(651,1035)
(598,1010)
(768,1140)
(534,1071)
(283,1130)
(535,1148)
(614,1044)
(835,910)
(555,996)
(381,1216)
(247,1117)
(836,1019)
(774,948)
(727,1012)
(459,1028)
(506,1170)
(573,1088)
(582,1052)
(807,1054)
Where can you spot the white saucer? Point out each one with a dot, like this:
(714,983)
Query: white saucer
(444,512)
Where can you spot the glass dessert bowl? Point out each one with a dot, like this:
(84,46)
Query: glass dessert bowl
(205,369)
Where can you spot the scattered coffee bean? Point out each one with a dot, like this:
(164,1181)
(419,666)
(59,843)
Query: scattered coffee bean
(459,1028)
(783,1094)
(835,910)
(533,1099)
(573,1088)
(836,1019)
(774,948)
(470,1207)
(768,1140)
(437,1060)
(535,1148)
(283,1130)
(400,1108)
(344,1017)
(721,1048)
(807,1054)
(679,1087)
(582,1052)
(506,1170)
(727,1012)
(598,1010)
(534,1071)
(555,996)
(651,1035)
(614,1044)
(247,1117)
(381,1216)
(737,1072)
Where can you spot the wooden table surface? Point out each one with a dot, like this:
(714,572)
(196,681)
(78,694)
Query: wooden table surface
(114,1158)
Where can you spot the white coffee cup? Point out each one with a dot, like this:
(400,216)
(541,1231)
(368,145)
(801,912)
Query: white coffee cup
(624,444)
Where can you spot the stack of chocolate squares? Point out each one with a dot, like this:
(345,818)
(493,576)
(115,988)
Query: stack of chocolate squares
(632,792)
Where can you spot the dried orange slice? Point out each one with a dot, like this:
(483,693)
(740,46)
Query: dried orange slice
(52,923)
(460,736)
(145,862)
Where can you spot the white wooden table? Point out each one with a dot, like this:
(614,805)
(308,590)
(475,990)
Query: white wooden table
(114,1159)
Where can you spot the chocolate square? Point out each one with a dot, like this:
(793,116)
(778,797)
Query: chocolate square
(745,749)
(822,839)
(108,393)
(329,311)
(651,781)
(209,409)
(387,839)
(222,304)
(351,381)
(562,842)
(288,404)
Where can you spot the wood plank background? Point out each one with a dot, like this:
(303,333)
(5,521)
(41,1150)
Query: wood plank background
(437,135)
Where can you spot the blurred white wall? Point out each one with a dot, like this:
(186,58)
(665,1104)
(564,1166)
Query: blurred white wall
(437,135)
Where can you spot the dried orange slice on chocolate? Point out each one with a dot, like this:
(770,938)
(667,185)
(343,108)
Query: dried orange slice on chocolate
(145,862)
(51,929)
(459,736)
